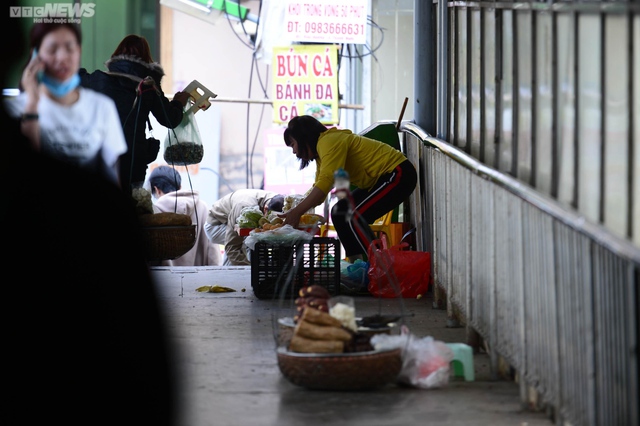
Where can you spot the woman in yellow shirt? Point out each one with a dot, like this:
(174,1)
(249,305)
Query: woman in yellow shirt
(384,178)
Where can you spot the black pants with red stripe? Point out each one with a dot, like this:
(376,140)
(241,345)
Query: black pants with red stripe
(351,216)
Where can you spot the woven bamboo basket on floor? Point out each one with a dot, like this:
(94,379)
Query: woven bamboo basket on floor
(168,242)
(341,371)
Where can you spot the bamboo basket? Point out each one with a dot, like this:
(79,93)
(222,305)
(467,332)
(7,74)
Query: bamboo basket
(168,242)
(341,371)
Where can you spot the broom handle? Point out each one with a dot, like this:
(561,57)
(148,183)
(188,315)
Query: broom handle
(404,105)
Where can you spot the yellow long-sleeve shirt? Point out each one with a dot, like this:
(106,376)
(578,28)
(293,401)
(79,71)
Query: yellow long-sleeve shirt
(363,158)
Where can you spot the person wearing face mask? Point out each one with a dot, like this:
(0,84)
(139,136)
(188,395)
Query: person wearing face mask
(59,117)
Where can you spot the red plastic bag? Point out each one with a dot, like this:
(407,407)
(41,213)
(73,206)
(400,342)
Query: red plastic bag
(395,272)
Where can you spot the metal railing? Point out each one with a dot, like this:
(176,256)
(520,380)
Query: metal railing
(550,292)
(547,91)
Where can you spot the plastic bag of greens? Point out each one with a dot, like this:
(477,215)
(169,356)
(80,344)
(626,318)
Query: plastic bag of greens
(249,217)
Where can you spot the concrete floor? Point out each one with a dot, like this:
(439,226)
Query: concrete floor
(227,346)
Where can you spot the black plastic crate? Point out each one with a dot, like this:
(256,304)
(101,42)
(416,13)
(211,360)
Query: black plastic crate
(281,271)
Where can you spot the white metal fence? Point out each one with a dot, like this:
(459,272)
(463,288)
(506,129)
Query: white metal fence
(549,291)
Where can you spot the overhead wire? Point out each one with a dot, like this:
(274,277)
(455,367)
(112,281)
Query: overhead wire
(251,150)
(224,10)
(262,109)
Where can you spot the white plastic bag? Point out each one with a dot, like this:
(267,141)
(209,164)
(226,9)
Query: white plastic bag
(425,361)
(284,236)
(183,145)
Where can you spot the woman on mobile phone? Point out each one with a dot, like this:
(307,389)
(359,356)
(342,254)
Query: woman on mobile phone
(60,118)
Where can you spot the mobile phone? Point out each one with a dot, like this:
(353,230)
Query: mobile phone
(40,73)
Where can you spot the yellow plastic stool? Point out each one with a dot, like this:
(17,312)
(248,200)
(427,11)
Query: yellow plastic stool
(462,361)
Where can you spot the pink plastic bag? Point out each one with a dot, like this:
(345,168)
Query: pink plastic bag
(426,363)
(397,272)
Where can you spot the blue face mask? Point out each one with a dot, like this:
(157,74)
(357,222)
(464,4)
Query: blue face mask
(60,88)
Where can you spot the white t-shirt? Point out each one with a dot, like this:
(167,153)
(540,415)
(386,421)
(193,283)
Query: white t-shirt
(79,133)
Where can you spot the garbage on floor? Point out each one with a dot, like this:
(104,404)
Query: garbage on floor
(425,361)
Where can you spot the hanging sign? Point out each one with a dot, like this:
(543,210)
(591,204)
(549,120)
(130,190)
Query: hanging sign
(305,82)
(327,21)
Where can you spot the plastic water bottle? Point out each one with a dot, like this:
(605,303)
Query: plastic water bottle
(341,183)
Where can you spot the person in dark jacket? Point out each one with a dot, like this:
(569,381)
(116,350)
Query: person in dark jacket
(133,82)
